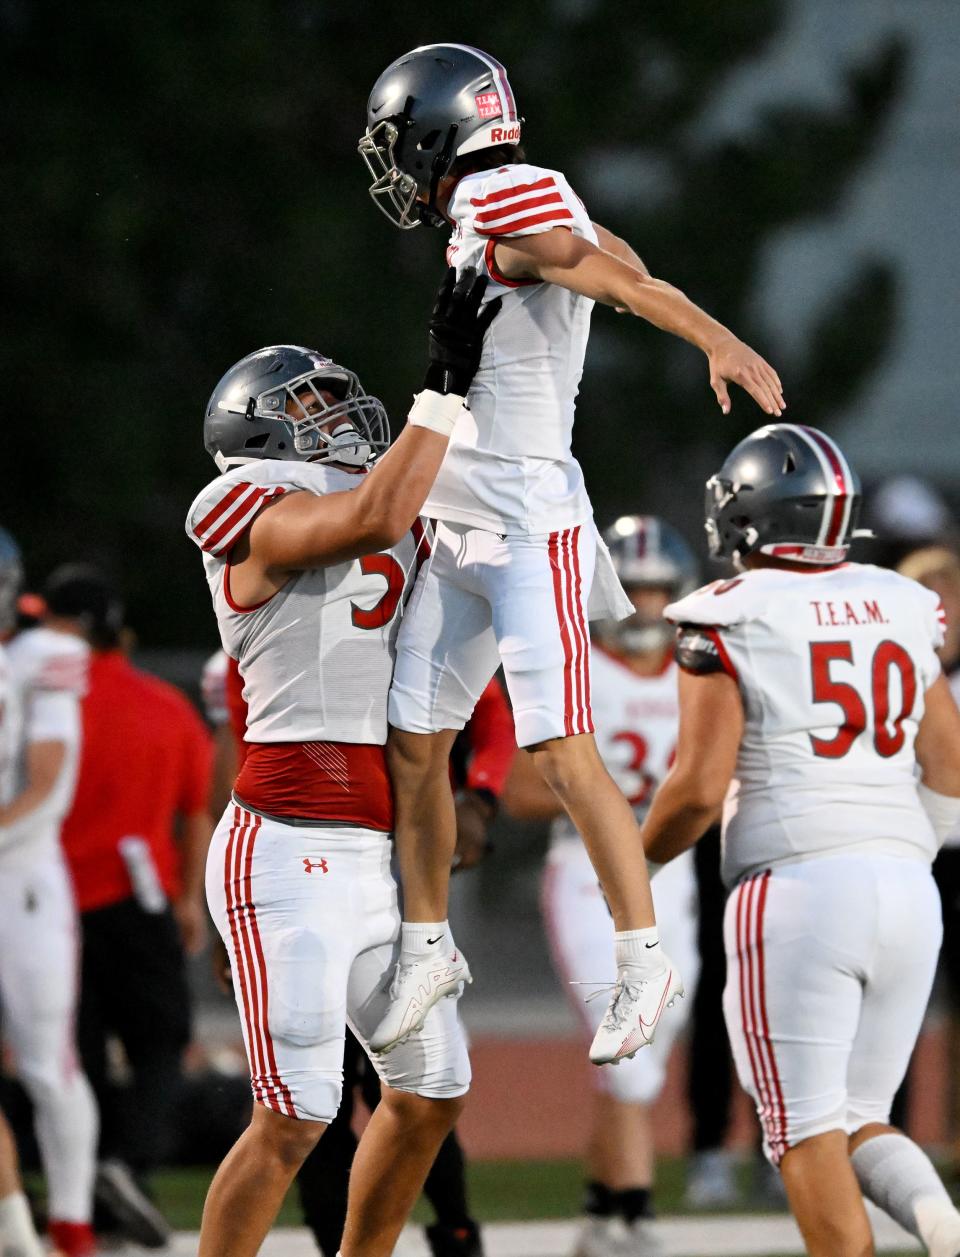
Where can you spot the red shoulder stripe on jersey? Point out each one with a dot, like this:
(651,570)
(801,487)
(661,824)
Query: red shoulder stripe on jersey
(556,217)
(239,520)
(521,189)
(223,505)
(520,207)
(728,664)
(489,260)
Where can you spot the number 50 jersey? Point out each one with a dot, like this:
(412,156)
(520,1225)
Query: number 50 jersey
(316,658)
(832,666)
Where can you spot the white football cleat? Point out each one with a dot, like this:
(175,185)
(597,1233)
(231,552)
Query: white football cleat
(635,1009)
(416,987)
(601,1237)
(643,1239)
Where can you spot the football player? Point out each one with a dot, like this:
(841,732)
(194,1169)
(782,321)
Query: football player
(517,568)
(810,696)
(310,556)
(39,959)
(634,683)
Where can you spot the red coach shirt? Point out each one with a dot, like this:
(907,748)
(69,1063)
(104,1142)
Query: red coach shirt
(146,757)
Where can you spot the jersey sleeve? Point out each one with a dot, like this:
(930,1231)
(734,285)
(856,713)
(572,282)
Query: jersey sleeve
(721,604)
(701,650)
(934,620)
(51,671)
(521,201)
(224,510)
(213,689)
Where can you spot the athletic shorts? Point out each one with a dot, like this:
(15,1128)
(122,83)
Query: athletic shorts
(580,932)
(484,599)
(309,918)
(830,962)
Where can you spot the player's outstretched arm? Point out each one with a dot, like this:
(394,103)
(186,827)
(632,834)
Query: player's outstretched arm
(937,749)
(559,257)
(689,800)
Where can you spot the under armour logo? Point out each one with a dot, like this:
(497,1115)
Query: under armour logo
(309,865)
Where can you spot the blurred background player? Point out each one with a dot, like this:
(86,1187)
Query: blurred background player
(810,694)
(136,839)
(513,566)
(634,684)
(39,961)
(298,878)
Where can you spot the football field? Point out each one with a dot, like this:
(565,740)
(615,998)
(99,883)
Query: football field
(527,1209)
(739,1235)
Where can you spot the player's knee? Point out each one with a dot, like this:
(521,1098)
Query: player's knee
(286,1140)
(43,1080)
(411,757)
(563,762)
(424,1112)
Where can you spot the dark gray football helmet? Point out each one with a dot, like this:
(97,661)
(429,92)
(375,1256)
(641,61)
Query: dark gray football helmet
(429,107)
(788,491)
(647,553)
(256,412)
(11,580)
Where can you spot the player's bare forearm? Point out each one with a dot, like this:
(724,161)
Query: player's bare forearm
(938,740)
(303,530)
(677,820)
(708,739)
(559,257)
(43,762)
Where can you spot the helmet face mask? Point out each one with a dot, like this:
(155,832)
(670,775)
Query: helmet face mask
(393,192)
(260,410)
(785,491)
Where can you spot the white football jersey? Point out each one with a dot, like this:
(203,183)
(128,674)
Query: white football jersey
(316,658)
(636,721)
(47,673)
(832,666)
(509,468)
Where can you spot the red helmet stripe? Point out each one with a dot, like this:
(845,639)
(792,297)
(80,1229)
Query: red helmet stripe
(841,485)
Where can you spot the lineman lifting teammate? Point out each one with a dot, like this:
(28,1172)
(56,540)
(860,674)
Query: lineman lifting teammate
(810,691)
(518,566)
(635,705)
(308,560)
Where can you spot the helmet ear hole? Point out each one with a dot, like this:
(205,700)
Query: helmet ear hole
(789,463)
(428,142)
(257,442)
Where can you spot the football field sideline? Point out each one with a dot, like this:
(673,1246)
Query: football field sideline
(732,1235)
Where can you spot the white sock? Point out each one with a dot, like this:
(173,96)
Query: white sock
(899,1178)
(640,952)
(421,938)
(16,1226)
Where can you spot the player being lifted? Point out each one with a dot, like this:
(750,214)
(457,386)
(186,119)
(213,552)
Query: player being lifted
(308,560)
(517,568)
(635,706)
(812,685)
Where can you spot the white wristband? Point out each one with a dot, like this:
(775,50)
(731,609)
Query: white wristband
(437,411)
(943,811)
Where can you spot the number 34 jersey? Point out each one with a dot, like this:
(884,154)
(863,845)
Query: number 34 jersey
(317,657)
(636,719)
(832,666)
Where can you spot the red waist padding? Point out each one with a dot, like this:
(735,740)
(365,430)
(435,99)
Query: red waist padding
(322,781)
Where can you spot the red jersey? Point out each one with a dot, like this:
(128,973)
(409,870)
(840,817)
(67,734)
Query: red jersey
(146,758)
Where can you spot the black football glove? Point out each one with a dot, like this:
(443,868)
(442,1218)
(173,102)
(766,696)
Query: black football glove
(457,328)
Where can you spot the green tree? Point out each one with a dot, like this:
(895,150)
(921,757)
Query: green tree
(182,186)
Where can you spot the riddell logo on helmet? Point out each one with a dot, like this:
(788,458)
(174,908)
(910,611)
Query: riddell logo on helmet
(488,105)
(504,135)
